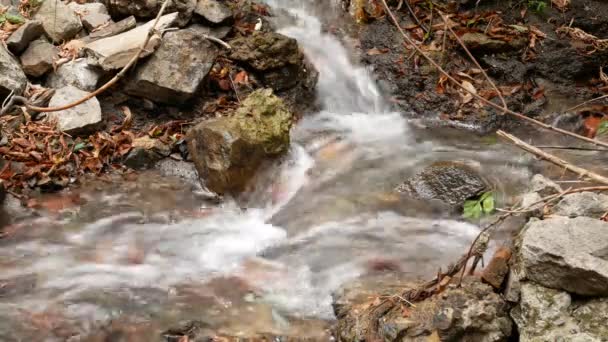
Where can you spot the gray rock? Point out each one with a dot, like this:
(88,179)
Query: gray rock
(59,22)
(37,59)
(219,32)
(77,73)
(146,153)
(26,33)
(174,73)
(448,182)
(82,119)
(547,315)
(544,186)
(528,200)
(92,15)
(582,204)
(12,78)
(149,8)
(213,11)
(567,254)
(228,151)
(115,52)
(113,29)
(266,50)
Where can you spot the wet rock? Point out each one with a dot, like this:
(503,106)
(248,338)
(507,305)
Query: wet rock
(505,68)
(113,29)
(26,33)
(266,50)
(149,8)
(77,73)
(498,268)
(482,43)
(146,152)
(568,254)
(582,204)
(471,313)
(545,314)
(115,52)
(177,69)
(213,11)
(12,78)
(92,15)
(451,183)
(37,59)
(59,22)
(84,118)
(228,151)
(180,169)
(2,192)
(544,186)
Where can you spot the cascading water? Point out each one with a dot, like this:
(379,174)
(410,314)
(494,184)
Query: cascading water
(328,219)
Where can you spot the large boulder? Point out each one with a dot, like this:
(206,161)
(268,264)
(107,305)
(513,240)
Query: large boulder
(115,52)
(570,254)
(26,33)
(12,78)
(77,73)
(547,315)
(174,73)
(59,22)
(150,8)
(228,151)
(82,119)
(38,58)
(450,183)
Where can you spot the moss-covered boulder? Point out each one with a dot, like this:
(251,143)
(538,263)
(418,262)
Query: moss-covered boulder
(228,151)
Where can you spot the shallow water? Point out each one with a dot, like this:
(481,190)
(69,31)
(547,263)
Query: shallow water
(149,251)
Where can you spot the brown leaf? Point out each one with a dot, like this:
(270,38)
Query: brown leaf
(375,51)
(241,78)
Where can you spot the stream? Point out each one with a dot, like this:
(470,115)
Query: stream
(149,254)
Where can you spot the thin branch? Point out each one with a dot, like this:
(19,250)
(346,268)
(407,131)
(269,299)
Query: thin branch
(413,14)
(585,103)
(482,99)
(551,158)
(217,40)
(103,88)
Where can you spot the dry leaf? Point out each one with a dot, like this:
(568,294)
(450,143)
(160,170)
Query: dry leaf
(561,5)
(468,96)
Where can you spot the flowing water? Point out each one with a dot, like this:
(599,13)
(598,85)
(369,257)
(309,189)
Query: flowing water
(148,252)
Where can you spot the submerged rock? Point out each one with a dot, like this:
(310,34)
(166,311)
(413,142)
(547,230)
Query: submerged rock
(451,183)
(177,69)
(12,78)
(116,51)
(228,151)
(547,315)
(59,21)
(38,58)
(567,254)
(26,33)
(77,73)
(84,118)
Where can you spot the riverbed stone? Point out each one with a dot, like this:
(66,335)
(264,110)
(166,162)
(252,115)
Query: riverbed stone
(150,8)
(480,43)
(177,69)
(81,119)
(451,183)
(92,15)
(115,52)
(38,58)
(24,35)
(77,73)
(213,11)
(498,268)
(570,254)
(588,204)
(112,29)
(266,50)
(12,78)
(228,151)
(59,21)
(146,152)
(544,186)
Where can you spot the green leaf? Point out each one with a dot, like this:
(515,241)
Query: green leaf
(15,19)
(603,128)
(472,209)
(2,19)
(488,204)
(79,146)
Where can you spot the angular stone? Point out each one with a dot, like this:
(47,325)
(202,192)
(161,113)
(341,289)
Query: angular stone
(12,78)
(544,186)
(92,15)
(82,119)
(582,204)
(26,33)
(174,73)
(213,11)
(529,199)
(451,183)
(59,22)
(77,73)
(113,29)
(498,268)
(115,52)
(228,151)
(266,50)
(37,59)
(568,254)
(146,152)
(149,8)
